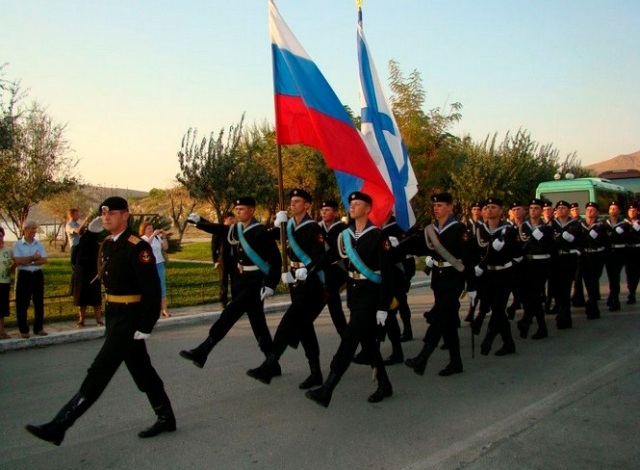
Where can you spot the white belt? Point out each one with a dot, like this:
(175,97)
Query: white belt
(296,264)
(441,264)
(500,268)
(619,245)
(570,252)
(359,276)
(538,256)
(242,268)
(634,245)
(594,250)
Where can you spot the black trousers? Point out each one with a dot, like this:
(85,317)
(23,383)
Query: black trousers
(533,276)
(226,277)
(632,270)
(307,301)
(591,266)
(30,285)
(614,262)
(496,291)
(246,299)
(336,278)
(445,317)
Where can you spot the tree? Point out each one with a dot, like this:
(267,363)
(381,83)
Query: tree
(36,163)
(180,206)
(218,170)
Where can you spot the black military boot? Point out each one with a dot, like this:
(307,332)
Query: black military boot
(487,342)
(524,324)
(315,377)
(419,363)
(592,311)
(54,431)
(166,422)
(361,358)
(199,355)
(615,304)
(407,333)
(397,356)
(266,371)
(322,395)
(384,390)
(631,299)
(509,347)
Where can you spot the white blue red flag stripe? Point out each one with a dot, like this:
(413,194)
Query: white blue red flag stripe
(382,136)
(309,112)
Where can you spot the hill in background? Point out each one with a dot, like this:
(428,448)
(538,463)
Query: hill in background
(621,162)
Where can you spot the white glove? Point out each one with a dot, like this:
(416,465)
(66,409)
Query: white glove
(381,317)
(620,230)
(593,234)
(394,241)
(287,278)
(497,244)
(140,335)
(567,236)
(472,296)
(478,271)
(429,261)
(537,234)
(193,218)
(281,217)
(301,274)
(636,226)
(266,292)
(518,259)
(95,225)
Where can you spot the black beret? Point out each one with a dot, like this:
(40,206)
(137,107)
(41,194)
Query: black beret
(442,197)
(493,200)
(592,204)
(245,201)
(476,204)
(575,205)
(357,195)
(516,204)
(562,203)
(536,202)
(301,193)
(330,203)
(547,203)
(114,203)
(614,203)
(634,205)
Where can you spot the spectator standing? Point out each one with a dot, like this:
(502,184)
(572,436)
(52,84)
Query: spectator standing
(156,238)
(29,255)
(224,259)
(87,284)
(6,266)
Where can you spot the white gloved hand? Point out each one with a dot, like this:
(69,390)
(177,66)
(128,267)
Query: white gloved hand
(567,236)
(472,296)
(478,271)
(394,241)
(95,225)
(266,292)
(620,230)
(193,218)
(301,274)
(140,335)
(287,278)
(429,261)
(381,317)
(518,259)
(497,244)
(636,226)
(537,234)
(593,234)
(281,217)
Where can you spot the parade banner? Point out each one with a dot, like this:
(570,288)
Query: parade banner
(382,136)
(309,112)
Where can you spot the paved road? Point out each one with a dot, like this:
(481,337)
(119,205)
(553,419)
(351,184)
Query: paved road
(570,401)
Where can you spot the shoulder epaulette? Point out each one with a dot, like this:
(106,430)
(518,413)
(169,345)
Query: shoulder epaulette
(133,239)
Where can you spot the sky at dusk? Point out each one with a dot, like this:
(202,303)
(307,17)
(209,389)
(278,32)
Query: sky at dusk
(129,78)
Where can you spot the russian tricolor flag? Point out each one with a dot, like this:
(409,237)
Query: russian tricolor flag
(382,136)
(309,112)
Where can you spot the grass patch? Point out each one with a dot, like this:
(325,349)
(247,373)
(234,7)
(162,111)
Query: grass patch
(198,251)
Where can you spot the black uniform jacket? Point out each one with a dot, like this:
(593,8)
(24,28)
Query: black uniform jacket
(310,238)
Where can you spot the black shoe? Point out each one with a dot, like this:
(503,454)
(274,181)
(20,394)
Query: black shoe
(540,334)
(485,348)
(314,380)
(578,303)
(163,424)
(382,392)
(193,357)
(523,327)
(361,358)
(406,336)
(262,373)
(395,358)
(631,300)
(450,370)
(506,349)
(444,347)
(593,316)
(417,364)
(47,432)
(321,396)
(615,306)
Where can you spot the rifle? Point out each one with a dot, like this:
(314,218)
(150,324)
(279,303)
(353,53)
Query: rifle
(470,315)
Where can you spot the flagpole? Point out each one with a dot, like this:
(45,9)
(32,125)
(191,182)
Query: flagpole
(283,234)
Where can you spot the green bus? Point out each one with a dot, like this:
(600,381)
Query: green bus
(583,190)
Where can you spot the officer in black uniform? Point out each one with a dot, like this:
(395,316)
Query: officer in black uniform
(577,298)
(258,274)
(536,245)
(305,243)
(632,262)
(517,218)
(497,246)
(448,246)
(132,286)
(336,274)
(369,259)
(595,242)
(566,232)
(614,261)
